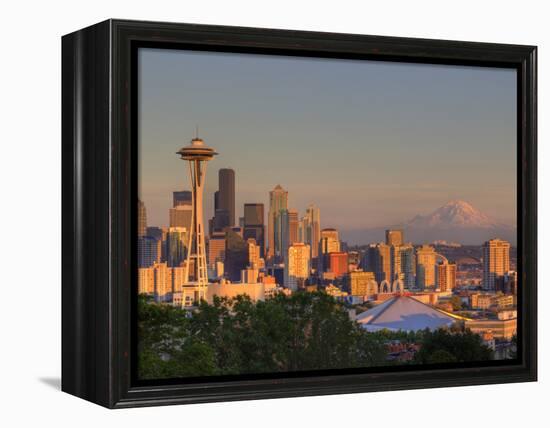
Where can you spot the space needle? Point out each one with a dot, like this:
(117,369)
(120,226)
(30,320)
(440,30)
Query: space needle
(197,154)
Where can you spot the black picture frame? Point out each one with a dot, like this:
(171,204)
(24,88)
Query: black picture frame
(99,210)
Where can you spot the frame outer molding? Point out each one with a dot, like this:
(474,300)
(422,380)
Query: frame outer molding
(97,161)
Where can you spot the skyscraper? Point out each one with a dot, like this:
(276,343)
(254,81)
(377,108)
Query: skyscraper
(226,196)
(311,229)
(182,197)
(149,251)
(236,255)
(142,219)
(425,267)
(254,225)
(496,261)
(278,201)
(394,237)
(408,266)
(329,243)
(298,266)
(377,259)
(216,249)
(197,154)
(338,264)
(176,246)
(445,276)
(181,215)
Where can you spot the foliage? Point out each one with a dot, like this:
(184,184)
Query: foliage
(304,331)
(443,346)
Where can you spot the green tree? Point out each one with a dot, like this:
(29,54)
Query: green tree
(442,344)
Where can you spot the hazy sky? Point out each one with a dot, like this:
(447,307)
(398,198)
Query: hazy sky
(371,143)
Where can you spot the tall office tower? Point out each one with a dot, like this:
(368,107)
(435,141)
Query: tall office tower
(311,229)
(142,219)
(394,237)
(329,243)
(226,196)
(180,216)
(408,266)
(216,249)
(253,253)
(360,283)
(445,274)
(289,229)
(182,197)
(298,267)
(292,226)
(197,154)
(395,255)
(425,267)
(377,259)
(149,251)
(278,201)
(496,261)
(236,255)
(338,264)
(221,220)
(176,246)
(254,225)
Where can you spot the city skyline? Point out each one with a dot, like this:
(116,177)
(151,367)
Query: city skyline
(166,122)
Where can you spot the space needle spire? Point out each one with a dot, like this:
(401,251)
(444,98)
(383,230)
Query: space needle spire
(197,154)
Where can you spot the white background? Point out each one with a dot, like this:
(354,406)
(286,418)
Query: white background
(30,200)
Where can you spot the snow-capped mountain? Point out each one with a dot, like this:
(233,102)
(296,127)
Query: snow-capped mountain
(455,214)
(456,221)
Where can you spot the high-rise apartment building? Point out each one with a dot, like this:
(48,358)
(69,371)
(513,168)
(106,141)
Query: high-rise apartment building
(496,261)
(226,195)
(278,202)
(425,267)
(298,267)
(446,276)
(394,237)
(408,266)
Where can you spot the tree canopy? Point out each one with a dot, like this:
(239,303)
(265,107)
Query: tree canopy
(303,331)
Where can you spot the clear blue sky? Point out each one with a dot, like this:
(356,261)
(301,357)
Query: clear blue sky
(371,143)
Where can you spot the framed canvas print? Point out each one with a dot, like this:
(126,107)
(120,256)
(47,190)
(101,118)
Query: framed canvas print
(253,213)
